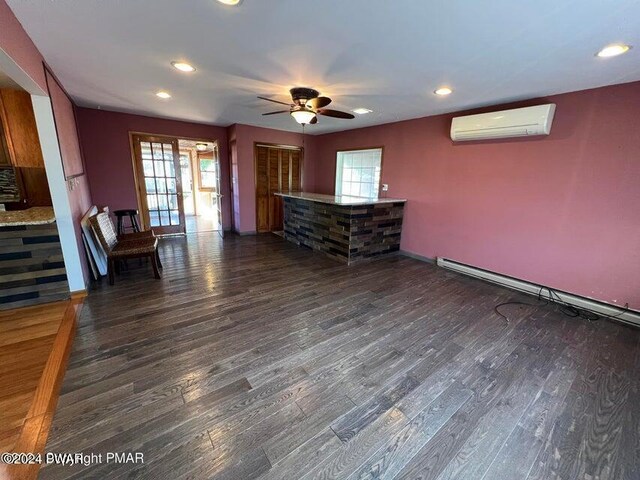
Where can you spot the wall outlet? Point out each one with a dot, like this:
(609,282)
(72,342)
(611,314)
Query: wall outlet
(385,187)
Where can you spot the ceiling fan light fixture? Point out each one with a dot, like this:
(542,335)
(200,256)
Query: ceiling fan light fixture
(303,116)
(232,3)
(362,111)
(162,94)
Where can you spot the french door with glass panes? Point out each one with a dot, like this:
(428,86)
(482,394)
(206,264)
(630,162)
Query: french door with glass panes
(159,183)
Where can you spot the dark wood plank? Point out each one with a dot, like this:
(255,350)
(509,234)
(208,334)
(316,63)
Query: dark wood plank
(359,418)
(402,447)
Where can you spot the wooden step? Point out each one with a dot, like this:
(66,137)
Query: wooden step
(31,437)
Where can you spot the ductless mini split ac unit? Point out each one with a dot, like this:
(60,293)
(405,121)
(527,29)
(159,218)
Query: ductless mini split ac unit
(519,122)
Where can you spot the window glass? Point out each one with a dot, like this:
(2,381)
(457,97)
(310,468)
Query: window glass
(358,172)
(207,173)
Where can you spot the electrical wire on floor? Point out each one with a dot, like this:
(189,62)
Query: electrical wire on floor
(568,310)
(539,304)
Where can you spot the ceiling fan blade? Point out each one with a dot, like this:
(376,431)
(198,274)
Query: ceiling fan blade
(279,111)
(274,101)
(314,120)
(335,113)
(318,102)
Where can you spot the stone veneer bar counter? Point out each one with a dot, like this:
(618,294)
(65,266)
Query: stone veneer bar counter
(348,229)
(31,265)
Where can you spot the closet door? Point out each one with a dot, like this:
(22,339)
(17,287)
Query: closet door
(277,170)
(275,203)
(296,171)
(285,170)
(262,189)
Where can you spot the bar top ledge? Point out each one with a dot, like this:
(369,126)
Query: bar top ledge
(30,216)
(339,199)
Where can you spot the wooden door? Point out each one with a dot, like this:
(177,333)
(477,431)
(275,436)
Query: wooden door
(262,189)
(159,183)
(278,169)
(296,170)
(5,157)
(216,158)
(20,131)
(275,186)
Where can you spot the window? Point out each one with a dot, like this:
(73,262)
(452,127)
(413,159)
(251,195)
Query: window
(358,172)
(207,167)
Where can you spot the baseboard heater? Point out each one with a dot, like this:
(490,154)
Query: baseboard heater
(620,314)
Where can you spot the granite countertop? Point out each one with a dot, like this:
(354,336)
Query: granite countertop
(339,199)
(30,216)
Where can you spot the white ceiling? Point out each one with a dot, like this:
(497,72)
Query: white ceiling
(385,55)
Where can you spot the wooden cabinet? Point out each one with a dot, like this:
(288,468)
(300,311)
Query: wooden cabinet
(20,148)
(278,169)
(20,131)
(5,157)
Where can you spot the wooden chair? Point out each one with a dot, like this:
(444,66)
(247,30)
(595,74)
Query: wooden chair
(130,245)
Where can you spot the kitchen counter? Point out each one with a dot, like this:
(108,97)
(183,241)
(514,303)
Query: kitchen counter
(347,229)
(339,199)
(30,216)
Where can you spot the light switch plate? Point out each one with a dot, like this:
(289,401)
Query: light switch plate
(385,187)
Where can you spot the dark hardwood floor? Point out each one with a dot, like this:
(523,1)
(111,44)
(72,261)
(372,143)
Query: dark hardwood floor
(255,358)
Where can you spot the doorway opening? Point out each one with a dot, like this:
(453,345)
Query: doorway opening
(178,184)
(200,170)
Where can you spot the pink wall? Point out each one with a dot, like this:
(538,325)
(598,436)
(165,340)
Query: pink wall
(64,113)
(245,137)
(561,211)
(17,44)
(79,196)
(104,137)
(105,140)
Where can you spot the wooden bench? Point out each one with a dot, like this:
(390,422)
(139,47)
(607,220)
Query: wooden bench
(130,245)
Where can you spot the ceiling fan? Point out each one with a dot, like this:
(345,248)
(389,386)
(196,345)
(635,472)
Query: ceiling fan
(307,105)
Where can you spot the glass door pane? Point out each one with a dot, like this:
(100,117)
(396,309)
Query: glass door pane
(161,182)
(187,183)
(218,199)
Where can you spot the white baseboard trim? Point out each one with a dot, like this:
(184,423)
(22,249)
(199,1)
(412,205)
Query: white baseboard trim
(630,317)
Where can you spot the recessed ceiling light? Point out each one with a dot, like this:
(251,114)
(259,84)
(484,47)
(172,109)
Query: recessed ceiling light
(613,50)
(163,94)
(362,111)
(183,67)
(443,91)
(231,2)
